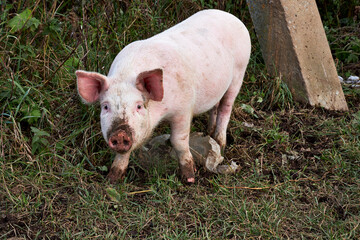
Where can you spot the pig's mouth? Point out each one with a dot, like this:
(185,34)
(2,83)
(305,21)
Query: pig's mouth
(120,138)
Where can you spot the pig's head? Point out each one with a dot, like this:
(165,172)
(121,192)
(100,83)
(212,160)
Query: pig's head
(125,122)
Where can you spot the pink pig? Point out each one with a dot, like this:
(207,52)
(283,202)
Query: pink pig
(197,65)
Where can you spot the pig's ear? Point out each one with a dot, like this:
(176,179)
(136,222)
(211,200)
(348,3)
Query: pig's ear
(151,84)
(90,85)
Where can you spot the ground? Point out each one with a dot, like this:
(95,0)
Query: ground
(299,165)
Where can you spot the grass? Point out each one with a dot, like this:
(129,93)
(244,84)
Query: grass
(299,166)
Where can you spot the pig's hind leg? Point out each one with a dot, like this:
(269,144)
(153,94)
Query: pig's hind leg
(212,120)
(223,112)
(180,131)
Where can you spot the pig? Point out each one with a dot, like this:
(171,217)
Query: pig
(193,67)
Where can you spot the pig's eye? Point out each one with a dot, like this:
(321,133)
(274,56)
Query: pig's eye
(105,107)
(138,106)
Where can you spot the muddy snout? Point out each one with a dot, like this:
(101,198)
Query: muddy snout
(120,141)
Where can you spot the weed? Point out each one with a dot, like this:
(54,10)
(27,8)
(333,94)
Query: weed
(299,166)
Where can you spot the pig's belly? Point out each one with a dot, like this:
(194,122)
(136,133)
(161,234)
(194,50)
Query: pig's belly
(207,97)
(213,81)
(202,108)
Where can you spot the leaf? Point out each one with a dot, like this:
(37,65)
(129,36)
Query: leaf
(352,58)
(252,78)
(23,20)
(72,63)
(247,108)
(35,113)
(44,141)
(33,24)
(33,116)
(38,139)
(260,100)
(52,28)
(103,168)
(37,132)
(113,194)
(34,148)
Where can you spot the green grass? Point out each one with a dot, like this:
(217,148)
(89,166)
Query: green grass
(299,166)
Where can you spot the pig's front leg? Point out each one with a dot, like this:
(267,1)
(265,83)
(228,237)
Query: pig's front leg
(180,131)
(119,166)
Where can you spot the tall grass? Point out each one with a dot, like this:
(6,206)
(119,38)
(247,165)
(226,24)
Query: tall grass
(299,175)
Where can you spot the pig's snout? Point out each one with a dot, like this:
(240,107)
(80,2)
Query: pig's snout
(120,141)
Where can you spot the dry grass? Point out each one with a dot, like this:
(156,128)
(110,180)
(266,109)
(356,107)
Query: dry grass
(300,166)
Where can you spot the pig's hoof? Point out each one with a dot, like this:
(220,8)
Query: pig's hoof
(188,173)
(115,175)
(221,140)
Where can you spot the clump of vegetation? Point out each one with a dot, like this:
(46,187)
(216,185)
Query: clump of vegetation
(299,166)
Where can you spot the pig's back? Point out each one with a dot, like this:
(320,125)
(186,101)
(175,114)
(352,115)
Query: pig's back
(212,45)
(205,29)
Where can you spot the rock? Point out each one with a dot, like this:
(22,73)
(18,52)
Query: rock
(205,150)
(341,79)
